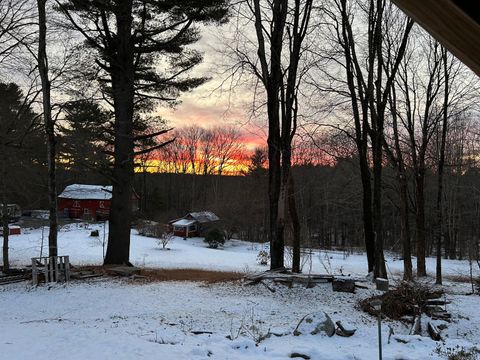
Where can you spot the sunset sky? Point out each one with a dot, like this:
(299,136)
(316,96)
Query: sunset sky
(214,104)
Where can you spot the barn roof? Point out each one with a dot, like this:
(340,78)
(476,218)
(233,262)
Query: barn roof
(87,192)
(203,216)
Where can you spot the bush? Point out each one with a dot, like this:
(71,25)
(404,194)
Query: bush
(164,239)
(457,353)
(214,238)
(263,257)
(149,228)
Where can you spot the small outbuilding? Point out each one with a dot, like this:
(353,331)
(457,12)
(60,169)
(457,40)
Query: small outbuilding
(193,224)
(88,202)
(12,230)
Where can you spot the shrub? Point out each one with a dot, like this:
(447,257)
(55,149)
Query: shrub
(263,257)
(164,239)
(149,228)
(214,238)
(457,353)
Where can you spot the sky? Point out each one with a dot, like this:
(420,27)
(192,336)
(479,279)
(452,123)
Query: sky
(216,103)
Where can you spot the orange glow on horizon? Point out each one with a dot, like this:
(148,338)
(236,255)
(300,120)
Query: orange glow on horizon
(231,168)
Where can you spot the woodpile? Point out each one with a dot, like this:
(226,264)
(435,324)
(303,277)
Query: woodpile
(411,303)
(287,278)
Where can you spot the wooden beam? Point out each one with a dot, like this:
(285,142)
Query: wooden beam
(456,29)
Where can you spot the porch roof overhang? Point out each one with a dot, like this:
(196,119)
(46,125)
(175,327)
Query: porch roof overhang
(454,23)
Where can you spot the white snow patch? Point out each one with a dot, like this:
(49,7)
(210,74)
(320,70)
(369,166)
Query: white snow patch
(110,319)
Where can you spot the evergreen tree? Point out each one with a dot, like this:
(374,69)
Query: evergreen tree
(17,121)
(142,51)
(85,137)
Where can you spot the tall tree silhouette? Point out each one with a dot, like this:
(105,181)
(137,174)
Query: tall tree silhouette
(143,54)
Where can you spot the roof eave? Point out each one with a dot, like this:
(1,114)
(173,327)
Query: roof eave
(450,25)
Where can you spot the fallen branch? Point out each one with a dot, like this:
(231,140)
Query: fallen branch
(268,287)
(433,332)
(417,326)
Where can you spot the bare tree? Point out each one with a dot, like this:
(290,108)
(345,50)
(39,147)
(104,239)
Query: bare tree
(192,137)
(395,152)
(370,70)
(49,123)
(227,147)
(280,28)
(207,156)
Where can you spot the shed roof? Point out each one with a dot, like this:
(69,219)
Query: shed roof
(87,192)
(203,216)
(183,222)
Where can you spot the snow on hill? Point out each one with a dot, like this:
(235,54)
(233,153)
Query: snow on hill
(118,319)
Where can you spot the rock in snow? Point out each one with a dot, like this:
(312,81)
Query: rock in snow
(315,323)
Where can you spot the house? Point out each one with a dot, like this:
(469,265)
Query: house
(88,202)
(193,224)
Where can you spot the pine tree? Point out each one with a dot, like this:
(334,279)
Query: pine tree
(85,136)
(16,121)
(142,51)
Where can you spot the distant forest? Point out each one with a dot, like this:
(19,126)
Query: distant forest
(329,203)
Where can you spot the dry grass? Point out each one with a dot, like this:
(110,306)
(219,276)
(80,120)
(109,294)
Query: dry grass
(156,275)
(207,276)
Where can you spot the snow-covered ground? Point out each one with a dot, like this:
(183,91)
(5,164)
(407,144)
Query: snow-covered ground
(120,319)
(75,240)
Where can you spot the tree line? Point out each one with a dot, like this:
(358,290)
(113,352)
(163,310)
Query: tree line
(198,150)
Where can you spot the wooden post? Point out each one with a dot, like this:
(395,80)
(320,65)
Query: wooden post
(67,268)
(34,272)
(45,268)
(55,260)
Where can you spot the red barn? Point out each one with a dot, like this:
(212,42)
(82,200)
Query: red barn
(88,202)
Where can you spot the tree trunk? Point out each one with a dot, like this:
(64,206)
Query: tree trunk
(380,268)
(420,221)
(399,163)
(292,206)
(6,262)
(118,249)
(274,172)
(367,212)
(441,163)
(405,227)
(49,128)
